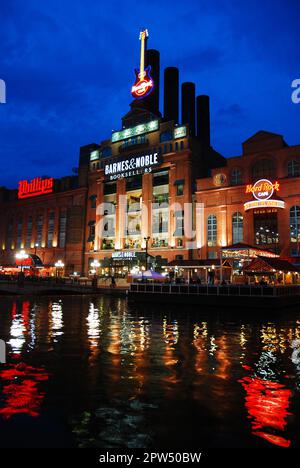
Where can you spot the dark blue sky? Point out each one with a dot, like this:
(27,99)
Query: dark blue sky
(68,67)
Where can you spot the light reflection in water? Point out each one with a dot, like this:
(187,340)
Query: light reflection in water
(93,329)
(56,320)
(267,404)
(19,327)
(21,393)
(133,359)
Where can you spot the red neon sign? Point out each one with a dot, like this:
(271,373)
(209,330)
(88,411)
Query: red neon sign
(35,188)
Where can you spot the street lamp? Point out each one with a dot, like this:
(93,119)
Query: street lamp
(36,245)
(146,239)
(59,265)
(22,255)
(95,264)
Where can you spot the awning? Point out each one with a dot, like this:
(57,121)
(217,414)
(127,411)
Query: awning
(31,261)
(270,265)
(241,250)
(206,263)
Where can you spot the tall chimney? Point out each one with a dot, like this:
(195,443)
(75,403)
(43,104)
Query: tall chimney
(203,119)
(171,94)
(152,101)
(188,105)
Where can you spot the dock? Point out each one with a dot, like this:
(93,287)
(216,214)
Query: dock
(247,296)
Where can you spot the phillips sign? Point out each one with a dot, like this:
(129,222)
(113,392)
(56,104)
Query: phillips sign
(35,188)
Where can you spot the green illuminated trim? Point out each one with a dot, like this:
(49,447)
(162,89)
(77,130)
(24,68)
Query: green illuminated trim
(134,131)
(180,132)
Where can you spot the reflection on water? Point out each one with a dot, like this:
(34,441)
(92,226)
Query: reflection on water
(113,375)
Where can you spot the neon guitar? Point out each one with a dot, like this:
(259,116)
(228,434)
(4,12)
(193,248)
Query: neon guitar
(143,82)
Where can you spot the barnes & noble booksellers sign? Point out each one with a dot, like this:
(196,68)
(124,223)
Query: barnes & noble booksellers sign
(131,166)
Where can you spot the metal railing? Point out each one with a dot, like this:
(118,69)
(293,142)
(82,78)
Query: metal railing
(217,290)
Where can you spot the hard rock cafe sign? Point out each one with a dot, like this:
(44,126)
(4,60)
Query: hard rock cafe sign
(143,82)
(262,191)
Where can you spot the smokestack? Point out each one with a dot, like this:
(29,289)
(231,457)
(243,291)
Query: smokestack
(203,119)
(171,94)
(188,105)
(151,102)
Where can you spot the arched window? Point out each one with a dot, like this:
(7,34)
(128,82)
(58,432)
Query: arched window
(295,223)
(237,227)
(263,169)
(236,177)
(293,168)
(166,136)
(212,231)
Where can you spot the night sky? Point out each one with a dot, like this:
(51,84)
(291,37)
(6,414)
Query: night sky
(68,68)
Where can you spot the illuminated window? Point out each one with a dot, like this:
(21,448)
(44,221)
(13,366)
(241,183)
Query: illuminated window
(212,231)
(295,224)
(237,228)
(29,232)
(266,227)
(179,187)
(236,177)
(39,229)
(293,169)
(62,228)
(50,229)
(160,222)
(179,223)
(263,169)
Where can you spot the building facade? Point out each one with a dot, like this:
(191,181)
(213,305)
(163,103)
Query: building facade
(241,206)
(49,225)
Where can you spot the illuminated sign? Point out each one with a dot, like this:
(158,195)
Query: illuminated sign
(264,204)
(143,82)
(35,188)
(94,155)
(135,131)
(263,189)
(131,166)
(123,255)
(143,87)
(180,132)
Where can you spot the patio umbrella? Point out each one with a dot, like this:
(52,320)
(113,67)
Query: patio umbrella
(149,274)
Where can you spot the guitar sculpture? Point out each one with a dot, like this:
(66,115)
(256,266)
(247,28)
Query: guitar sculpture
(143,83)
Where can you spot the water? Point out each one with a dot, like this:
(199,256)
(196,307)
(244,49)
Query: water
(97,372)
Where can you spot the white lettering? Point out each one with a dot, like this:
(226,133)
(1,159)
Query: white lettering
(2,92)
(296,93)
